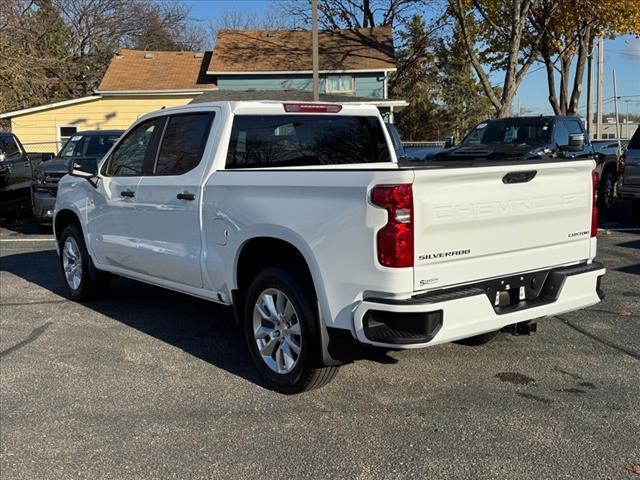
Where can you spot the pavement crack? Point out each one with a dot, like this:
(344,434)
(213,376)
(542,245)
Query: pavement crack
(35,333)
(584,332)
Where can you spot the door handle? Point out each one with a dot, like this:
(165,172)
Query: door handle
(186,196)
(128,193)
(519,177)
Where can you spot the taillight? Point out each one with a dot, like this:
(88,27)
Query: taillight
(311,107)
(395,239)
(594,209)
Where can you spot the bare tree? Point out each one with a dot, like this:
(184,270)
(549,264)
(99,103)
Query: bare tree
(351,14)
(567,31)
(497,35)
(238,20)
(59,49)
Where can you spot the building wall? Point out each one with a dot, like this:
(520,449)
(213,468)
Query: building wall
(609,130)
(366,84)
(38,131)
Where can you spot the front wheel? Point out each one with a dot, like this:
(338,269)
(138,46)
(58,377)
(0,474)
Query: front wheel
(282,332)
(81,278)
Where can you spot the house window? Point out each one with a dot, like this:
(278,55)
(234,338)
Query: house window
(65,133)
(341,83)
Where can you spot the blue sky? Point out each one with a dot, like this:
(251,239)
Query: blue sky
(621,54)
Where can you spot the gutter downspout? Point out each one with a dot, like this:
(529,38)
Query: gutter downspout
(386,86)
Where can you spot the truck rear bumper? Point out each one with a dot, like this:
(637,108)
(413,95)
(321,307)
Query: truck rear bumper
(452,314)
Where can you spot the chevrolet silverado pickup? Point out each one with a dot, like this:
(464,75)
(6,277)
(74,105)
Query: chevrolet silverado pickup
(300,216)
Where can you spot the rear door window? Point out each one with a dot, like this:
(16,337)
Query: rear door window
(183,143)
(259,141)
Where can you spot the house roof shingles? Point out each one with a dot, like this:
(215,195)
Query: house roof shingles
(129,70)
(290,50)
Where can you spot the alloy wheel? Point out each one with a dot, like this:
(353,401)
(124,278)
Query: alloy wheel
(277,331)
(72,263)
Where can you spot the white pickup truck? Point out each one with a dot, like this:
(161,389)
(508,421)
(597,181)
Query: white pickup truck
(300,216)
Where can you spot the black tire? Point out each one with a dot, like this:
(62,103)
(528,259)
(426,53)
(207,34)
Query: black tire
(606,191)
(635,208)
(478,340)
(307,373)
(92,282)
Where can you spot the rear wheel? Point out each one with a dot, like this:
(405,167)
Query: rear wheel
(607,187)
(82,280)
(282,332)
(478,339)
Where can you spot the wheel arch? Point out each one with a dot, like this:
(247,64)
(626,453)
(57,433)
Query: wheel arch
(64,218)
(259,252)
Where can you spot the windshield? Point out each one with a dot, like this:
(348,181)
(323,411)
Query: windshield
(88,145)
(510,131)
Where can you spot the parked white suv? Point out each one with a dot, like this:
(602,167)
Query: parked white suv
(300,216)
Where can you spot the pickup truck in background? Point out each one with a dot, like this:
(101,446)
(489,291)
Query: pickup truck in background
(300,217)
(542,137)
(89,145)
(16,169)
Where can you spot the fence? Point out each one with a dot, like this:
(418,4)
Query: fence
(42,147)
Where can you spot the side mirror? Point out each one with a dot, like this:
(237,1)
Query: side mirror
(576,142)
(449,142)
(84,168)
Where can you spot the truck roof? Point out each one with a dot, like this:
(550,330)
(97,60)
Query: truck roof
(270,107)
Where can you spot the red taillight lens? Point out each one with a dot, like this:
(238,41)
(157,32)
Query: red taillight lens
(311,107)
(594,210)
(395,239)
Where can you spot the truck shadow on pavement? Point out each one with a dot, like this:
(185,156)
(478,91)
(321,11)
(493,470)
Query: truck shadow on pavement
(200,328)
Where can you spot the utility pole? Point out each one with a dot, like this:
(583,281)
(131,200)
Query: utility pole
(590,93)
(615,102)
(314,50)
(600,84)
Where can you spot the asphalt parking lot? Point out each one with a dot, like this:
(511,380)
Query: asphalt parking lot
(153,384)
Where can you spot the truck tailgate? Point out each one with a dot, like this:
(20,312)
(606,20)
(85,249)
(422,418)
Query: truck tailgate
(473,224)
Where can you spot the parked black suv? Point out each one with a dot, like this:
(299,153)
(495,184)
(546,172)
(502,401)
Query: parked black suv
(630,174)
(16,167)
(89,144)
(543,137)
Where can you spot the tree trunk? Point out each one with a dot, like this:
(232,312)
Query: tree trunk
(583,52)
